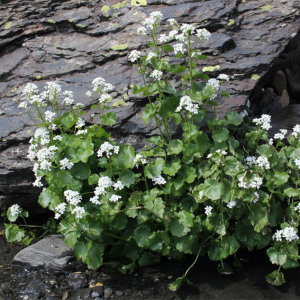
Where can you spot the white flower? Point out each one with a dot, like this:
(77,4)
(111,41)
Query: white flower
(139,159)
(288,233)
(78,211)
(68,97)
(78,105)
(297,208)
(95,200)
(60,209)
(118,185)
(214,83)
(104,182)
(23,105)
(223,77)
(156,74)
(163,39)
(30,89)
(83,131)
(179,48)
(37,182)
(201,193)
(89,94)
(114,198)
(150,56)
(297,162)
(142,30)
(187,103)
(172,22)
(181,38)
(73,197)
(98,83)
(264,121)
(134,55)
(296,130)
(263,162)
(80,123)
(66,164)
(280,136)
(107,87)
(43,135)
(187,29)
(208,210)
(256,197)
(108,148)
(231,204)
(173,34)
(49,116)
(159,180)
(104,97)
(270,142)
(57,138)
(209,155)
(250,160)
(157,16)
(203,34)
(15,210)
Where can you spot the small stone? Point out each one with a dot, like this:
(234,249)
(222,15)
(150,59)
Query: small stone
(65,295)
(170,277)
(118,293)
(94,294)
(107,293)
(78,281)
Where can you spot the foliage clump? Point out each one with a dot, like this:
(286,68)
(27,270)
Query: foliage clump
(203,193)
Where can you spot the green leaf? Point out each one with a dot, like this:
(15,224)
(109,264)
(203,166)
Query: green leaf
(119,222)
(157,240)
(276,257)
(177,228)
(45,198)
(128,177)
(280,178)
(94,258)
(168,48)
(203,142)
(141,235)
(109,119)
(154,169)
(125,158)
(291,192)
(93,179)
(233,118)
(187,244)
(68,120)
(259,216)
(174,286)
(220,135)
(81,171)
(172,168)
(168,106)
(176,69)
(232,166)
(150,110)
(222,249)
(212,189)
(13,233)
(174,147)
(157,206)
(276,278)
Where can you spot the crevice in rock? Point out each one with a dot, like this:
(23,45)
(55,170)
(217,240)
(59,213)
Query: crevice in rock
(278,92)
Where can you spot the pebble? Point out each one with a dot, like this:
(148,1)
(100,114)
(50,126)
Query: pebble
(118,293)
(107,292)
(78,281)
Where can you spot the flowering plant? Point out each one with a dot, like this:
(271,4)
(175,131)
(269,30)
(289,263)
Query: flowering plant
(201,194)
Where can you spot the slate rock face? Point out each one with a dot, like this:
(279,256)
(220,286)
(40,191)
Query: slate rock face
(51,253)
(76,41)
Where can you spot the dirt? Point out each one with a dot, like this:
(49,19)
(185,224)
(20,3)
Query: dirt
(247,282)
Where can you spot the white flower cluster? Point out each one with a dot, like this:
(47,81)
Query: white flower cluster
(297,162)
(66,164)
(203,34)
(73,197)
(280,136)
(296,131)
(223,77)
(139,159)
(214,83)
(297,208)
(45,156)
(60,210)
(30,89)
(263,162)
(154,19)
(109,149)
(156,74)
(256,195)
(288,233)
(49,115)
(80,123)
(78,211)
(150,55)
(52,91)
(102,88)
(159,180)
(231,204)
(134,55)
(250,161)
(264,121)
(253,183)
(15,210)
(187,103)
(42,136)
(208,210)
(179,48)
(105,183)
(68,97)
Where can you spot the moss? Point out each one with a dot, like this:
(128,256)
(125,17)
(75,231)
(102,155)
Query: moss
(255,77)
(135,13)
(7,25)
(81,25)
(116,15)
(119,103)
(119,5)
(211,68)
(38,77)
(105,9)
(231,22)
(139,2)
(119,47)
(13,90)
(266,7)
(51,21)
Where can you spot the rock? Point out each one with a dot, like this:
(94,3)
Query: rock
(78,281)
(279,82)
(267,97)
(89,293)
(293,80)
(107,293)
(72,41)
(34,290)
(51,253)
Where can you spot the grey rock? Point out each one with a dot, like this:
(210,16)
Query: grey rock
(51,253)
(267,97)
(107,293)
(78,281)
(279,82)
(34,290)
